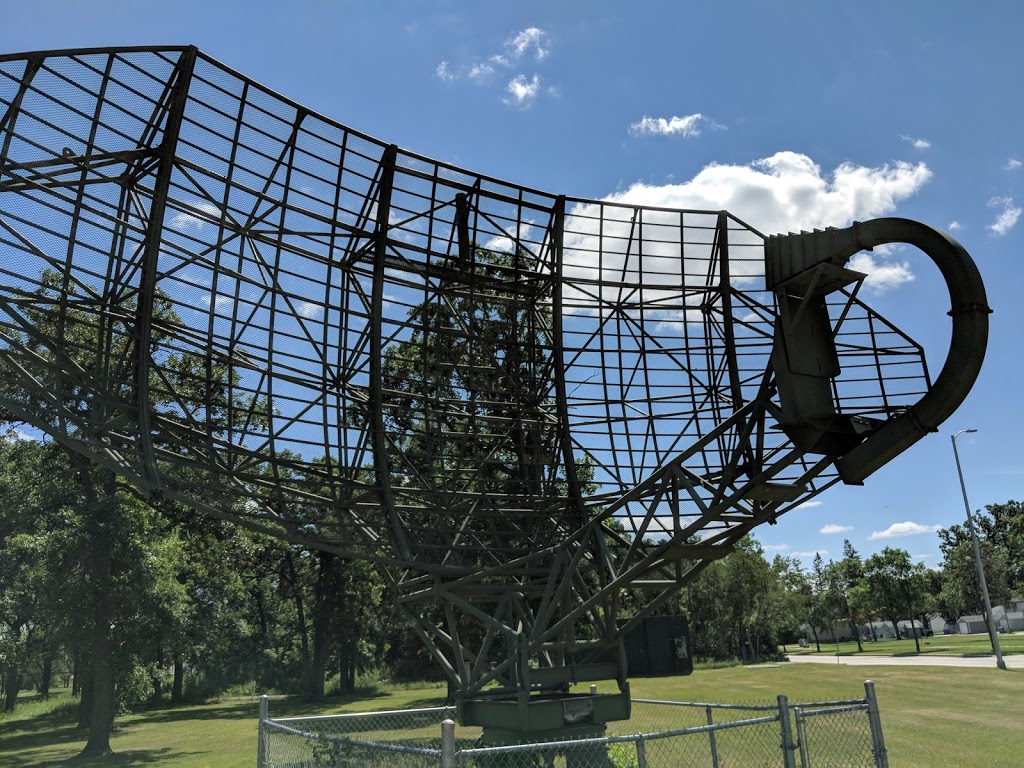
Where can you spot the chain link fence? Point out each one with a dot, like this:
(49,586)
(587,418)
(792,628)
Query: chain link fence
(660,734)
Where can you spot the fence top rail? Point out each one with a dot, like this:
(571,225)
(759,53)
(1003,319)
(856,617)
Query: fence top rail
(705,705)
(358,715)
(829,710)
(836,703)
(286,729)
(342,740)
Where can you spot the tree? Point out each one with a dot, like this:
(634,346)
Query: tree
(848,574)
(821,613)
(41,597)
(862,605)
(898,587)
(960,591)
(1000,529)
(742,606)
(81,348)
(792,596)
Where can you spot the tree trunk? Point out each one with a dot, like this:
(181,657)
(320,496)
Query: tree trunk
(76,678)
(157,676)
(101,714)
(816,641)
(856,633)
(12,686)
(101,542)
(46,675)
(300,613)
(347,666)
(178,682)
(85,703)
(321,624)
(896,628)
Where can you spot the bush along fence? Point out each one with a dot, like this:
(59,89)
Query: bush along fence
(660,734)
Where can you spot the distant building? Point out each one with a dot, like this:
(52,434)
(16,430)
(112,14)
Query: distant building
(1008,618)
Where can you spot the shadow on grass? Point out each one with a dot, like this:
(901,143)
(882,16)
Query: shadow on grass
(433,701)
(51,719)
(243,710)
(115,759)
(59,745)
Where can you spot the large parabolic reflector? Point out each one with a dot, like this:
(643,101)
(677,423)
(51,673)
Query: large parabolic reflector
(517,403)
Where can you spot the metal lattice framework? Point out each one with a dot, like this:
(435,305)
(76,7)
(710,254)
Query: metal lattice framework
(518,404)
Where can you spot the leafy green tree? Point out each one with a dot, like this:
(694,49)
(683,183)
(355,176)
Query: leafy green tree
(740,606)
(899,588)
(862,606)
(1000,529)
(93,360)
(791,593)
(822,613)
(840,578)
(960,591)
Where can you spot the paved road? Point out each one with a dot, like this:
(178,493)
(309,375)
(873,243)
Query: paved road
(929,660)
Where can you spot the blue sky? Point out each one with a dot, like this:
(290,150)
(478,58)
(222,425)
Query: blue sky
(789,114)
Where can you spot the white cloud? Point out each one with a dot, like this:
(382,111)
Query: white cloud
(1013,164)
(196,217)
(917,143)
(788,191)
(443,73)
(954,225)
(811,553)
(778,194)
(687,126)
(480,71)
(903,529)
(521,91)
(309,309)
(530,38)
(882,275)
(512,234)
(222,300)
(1007,217)
(775,547)
(810,504)
(833,528)
(517,47)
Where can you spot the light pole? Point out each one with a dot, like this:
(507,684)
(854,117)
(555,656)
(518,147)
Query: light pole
(993,635)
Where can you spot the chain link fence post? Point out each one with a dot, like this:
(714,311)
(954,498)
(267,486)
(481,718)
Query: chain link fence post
(801,738)
(641,753)
(875,720)
(261,746)
(711,739)
(448,743)
(786,727)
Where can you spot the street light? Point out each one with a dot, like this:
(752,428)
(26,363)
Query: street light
(993,636)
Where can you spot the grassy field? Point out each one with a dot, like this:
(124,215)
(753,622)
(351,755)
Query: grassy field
(964,717)
(950,645)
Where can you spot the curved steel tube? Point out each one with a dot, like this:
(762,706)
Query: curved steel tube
(969,312)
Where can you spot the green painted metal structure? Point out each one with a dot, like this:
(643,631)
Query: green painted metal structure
(518,404)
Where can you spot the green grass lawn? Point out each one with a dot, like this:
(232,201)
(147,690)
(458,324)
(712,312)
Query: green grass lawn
(968,718)
(951,645)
